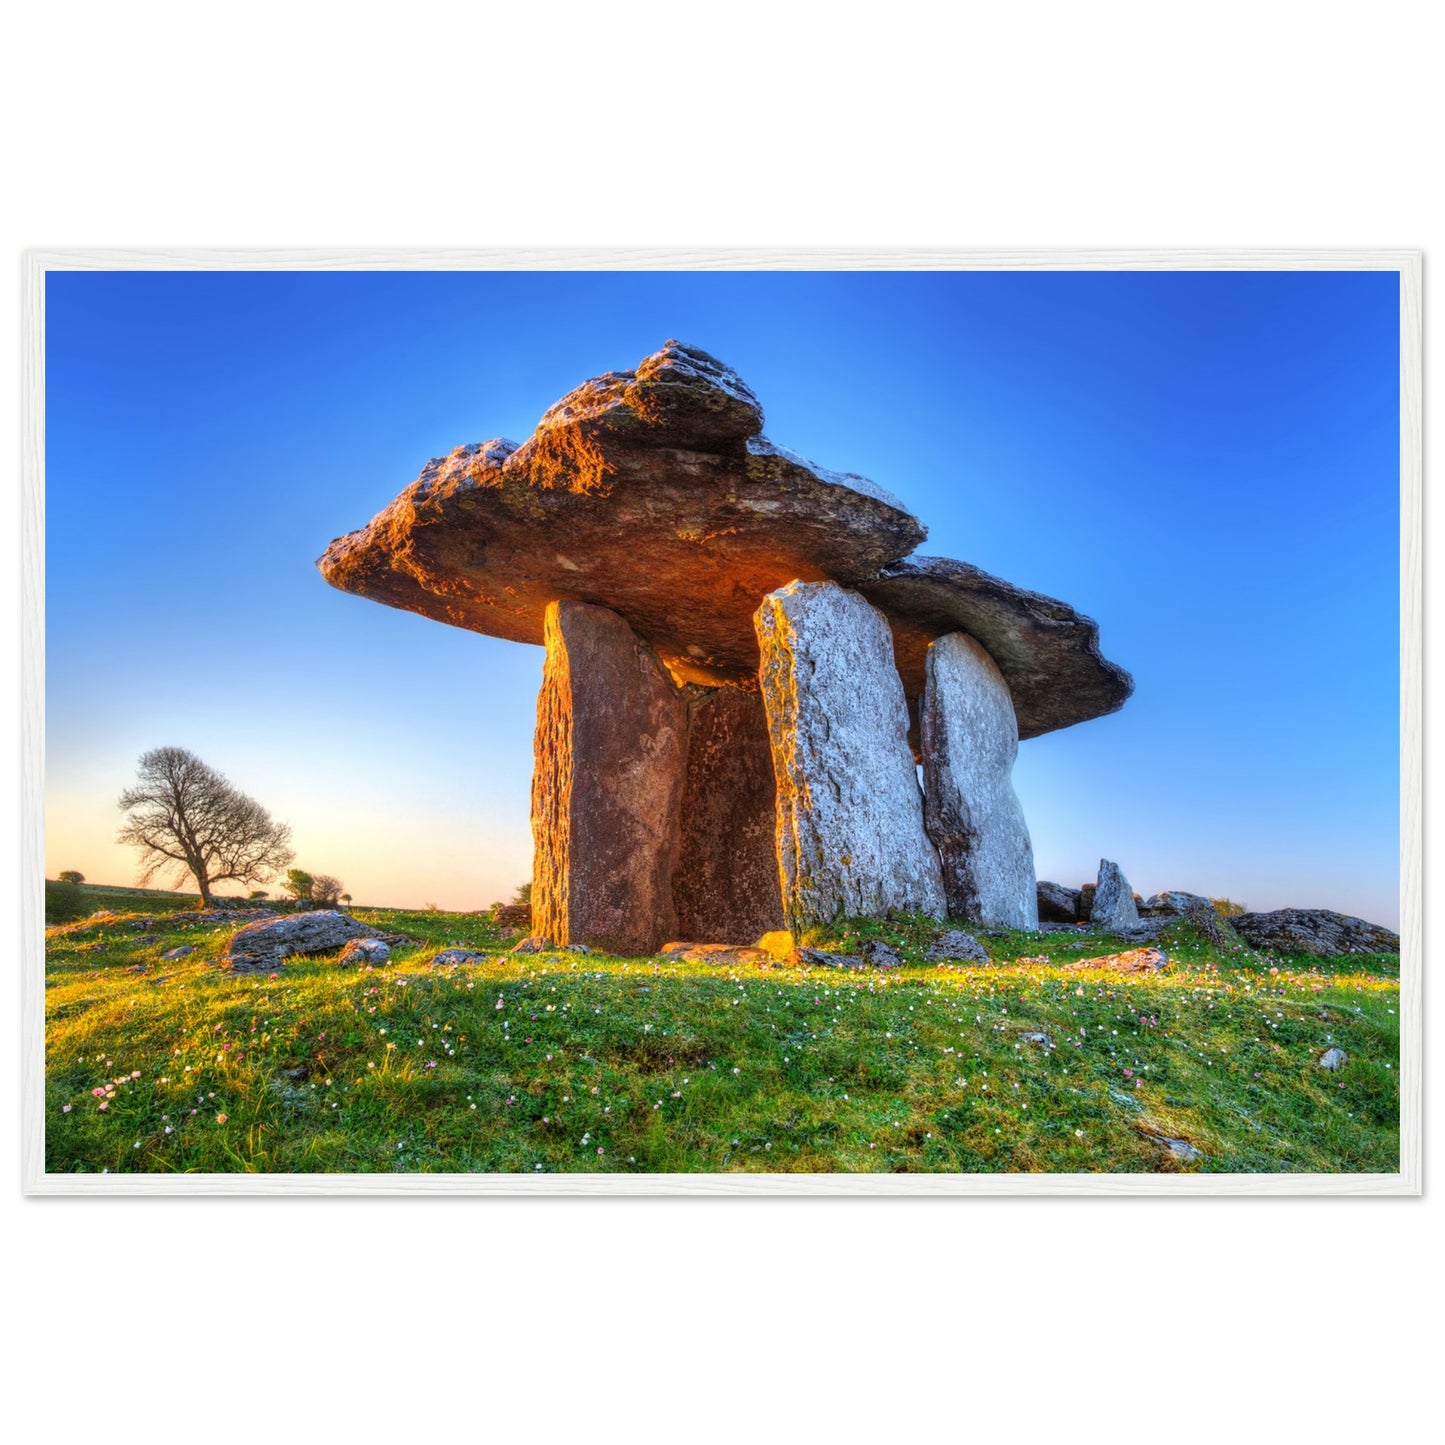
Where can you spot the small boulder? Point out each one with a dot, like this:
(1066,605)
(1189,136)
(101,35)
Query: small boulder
(453,957)
(576,948)
(1175,904)
(1038,1038)
(180,952)
(1058,904)
(1181,1149)
(821,958)
(1134,960)
(1113,909)
(880,955)
(1333,1060)
(1086,902)
(261,946)
(720,953)
(534,943)
(955,946)
(1314,931)
(365,950)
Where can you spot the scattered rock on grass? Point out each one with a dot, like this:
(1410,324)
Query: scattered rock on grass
(1134,960)
(955,946)
(261,946)
(880,955)
(723,953)
(451,957)
(821,958)
(1333,1059)
(365,950)
(1181,1149)
(180,952)
(534,943)
(1038,1038)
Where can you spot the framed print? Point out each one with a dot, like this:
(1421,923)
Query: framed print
(745,722)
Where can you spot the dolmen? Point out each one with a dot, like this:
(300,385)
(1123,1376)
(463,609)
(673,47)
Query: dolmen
(760,709)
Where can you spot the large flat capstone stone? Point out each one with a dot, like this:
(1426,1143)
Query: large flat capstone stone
(971,812)
(609,768)
(850,838)
(650,492)
(1047,652)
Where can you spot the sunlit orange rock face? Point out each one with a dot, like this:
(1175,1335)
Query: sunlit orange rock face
(611,758)
(651,493)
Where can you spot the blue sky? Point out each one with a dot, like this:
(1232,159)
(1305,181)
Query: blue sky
(1206,463)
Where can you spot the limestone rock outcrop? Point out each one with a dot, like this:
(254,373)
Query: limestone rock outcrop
(1174,903)
(971,813)
(611,754)
(850,837)
(955,946)
(1113,910)
(261,946)
(1057,904)
(373,951)
(1314,931)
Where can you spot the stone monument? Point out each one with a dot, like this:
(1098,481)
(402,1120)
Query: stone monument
(745,665)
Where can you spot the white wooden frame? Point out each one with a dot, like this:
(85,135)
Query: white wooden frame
(1408,265)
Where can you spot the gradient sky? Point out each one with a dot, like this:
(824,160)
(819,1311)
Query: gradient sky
(1206,463)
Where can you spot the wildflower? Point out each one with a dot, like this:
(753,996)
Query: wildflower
(65,1108)
(220,1118)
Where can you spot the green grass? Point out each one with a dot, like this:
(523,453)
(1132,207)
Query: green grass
(560,1062)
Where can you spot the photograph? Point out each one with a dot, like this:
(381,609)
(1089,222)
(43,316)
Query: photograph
(895,726)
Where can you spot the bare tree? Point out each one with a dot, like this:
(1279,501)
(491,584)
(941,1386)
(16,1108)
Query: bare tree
(187,819)
(325,890)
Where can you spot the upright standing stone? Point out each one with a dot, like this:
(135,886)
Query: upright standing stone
(610,762)
(1114,906)
(850,837)
(726,886)
(972,814)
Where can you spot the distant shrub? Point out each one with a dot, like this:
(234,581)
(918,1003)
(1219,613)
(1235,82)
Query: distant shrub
(523,893)
(64,902)
(298,883)
(1228,908)
(258,893)
(71,876)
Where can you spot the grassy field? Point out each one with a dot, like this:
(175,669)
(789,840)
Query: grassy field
(548,1063)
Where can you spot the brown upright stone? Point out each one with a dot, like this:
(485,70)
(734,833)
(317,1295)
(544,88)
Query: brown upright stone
(610,762)
(726,887)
